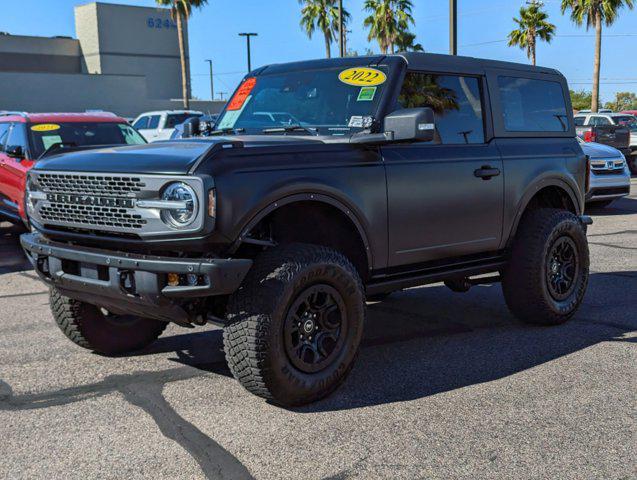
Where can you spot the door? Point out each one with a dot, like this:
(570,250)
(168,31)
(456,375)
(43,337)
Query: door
(15,170)
(444,197)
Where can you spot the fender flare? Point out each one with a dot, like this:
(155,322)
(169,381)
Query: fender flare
(532,191)
(304,197)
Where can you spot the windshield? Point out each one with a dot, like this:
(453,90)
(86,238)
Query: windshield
(43,136)
(328,102)
(627,121)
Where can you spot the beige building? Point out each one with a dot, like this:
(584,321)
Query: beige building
(125,59)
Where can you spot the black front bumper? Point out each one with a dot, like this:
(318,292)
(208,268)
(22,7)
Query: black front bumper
(127,283)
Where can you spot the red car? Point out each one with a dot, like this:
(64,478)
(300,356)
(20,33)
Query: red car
(26,138)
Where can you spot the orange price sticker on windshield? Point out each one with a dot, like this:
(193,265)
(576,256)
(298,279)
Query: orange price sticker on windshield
(240,97)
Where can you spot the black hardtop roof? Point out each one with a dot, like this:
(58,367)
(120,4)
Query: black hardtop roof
(414,60)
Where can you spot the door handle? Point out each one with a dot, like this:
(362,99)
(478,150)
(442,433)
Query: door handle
(486,172)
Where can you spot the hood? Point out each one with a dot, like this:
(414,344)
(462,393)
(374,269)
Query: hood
(174,157)
(597,150)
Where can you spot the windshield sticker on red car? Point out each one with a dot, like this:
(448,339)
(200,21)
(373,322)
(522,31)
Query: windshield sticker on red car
(45,127)
(242,94)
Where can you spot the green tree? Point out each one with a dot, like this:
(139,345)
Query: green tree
(180,11)
(405,42)
(388,19)
(581,99)
(533,23)
(322,15)
(595,13)
(623,101)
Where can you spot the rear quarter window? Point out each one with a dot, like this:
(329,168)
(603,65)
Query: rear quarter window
(531,105)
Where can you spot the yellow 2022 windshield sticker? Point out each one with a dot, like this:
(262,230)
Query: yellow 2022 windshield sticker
(362,76)
(45,127)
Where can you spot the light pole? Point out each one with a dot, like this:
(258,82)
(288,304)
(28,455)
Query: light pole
(341,36)
(453,27)
(248,35)
(212,85)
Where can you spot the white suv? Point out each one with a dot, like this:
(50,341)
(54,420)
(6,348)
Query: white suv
(161,124)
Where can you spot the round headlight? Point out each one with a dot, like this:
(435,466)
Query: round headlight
(187,212)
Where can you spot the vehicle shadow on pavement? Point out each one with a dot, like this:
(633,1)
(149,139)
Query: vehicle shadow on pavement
(12,257)
(426,341)
(623,206)
(417,343)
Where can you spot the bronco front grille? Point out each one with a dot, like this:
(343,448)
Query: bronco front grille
(90,185)
(104,203)
(91,216)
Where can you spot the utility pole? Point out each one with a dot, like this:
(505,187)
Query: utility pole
(341,34)
(212,86)
(453,27)
(248,35)
(221,94)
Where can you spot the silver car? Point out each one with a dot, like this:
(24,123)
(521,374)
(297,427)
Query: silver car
(610,176)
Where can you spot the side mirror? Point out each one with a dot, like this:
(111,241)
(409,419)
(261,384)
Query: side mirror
(192,127)
(411,124)
(15,151)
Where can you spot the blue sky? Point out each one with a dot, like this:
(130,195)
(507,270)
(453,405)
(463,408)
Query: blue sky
(483,28)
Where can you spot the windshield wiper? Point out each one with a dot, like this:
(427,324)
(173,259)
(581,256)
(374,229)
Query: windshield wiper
(226,131)
(57,146)
(290,129)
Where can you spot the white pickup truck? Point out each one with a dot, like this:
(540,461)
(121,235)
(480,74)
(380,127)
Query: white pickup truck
(160,125)
(612,119)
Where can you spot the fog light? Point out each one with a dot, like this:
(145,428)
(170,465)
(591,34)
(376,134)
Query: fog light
(173,279)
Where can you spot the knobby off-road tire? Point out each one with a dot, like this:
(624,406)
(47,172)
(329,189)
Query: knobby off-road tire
(87,326)
(546,278)
(295,324)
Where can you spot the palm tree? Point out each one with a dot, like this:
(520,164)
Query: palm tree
(533,23)
(180,11)
(595,13)
(322,14)
(405,42)
(388,19)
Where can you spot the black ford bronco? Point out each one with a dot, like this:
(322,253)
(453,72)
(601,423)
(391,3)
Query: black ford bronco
(327,183)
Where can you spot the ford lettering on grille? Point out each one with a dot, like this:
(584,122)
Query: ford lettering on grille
(90,200)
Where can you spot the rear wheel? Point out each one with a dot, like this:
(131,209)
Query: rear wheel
(295,324)
(96,329)
(547,275)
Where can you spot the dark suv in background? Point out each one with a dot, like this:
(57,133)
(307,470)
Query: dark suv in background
(401,170)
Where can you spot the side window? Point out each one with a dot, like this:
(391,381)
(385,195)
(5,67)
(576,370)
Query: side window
(141,123)
(530,105)
(153,122)
(4,131)
(579,121)
(456,102)
(17,136)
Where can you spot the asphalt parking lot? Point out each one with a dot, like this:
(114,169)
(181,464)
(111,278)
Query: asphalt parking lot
(447,385)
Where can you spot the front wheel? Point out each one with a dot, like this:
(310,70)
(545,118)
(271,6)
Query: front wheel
(546,278)
(96,329)
(295,324)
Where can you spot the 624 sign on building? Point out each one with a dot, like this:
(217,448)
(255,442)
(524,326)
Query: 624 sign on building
(160,23)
